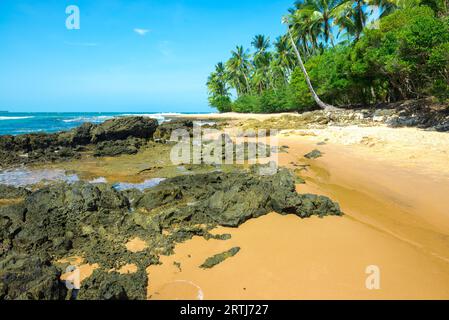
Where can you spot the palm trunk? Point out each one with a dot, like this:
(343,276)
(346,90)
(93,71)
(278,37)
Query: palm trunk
(317,99)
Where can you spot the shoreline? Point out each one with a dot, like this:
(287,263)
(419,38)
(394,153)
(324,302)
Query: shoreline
(389,221)
(390,183)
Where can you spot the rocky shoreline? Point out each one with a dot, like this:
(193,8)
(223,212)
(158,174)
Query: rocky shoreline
(42,225)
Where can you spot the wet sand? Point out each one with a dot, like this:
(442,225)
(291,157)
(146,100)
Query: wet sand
(396,218)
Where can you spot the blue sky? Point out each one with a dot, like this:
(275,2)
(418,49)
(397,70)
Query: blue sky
(108,66)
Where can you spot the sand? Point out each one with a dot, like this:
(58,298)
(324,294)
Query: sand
(233,115)
(392,185)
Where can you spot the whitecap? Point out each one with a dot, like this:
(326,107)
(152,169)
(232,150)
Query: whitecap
(95,119)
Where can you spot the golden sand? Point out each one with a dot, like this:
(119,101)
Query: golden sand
(126,269)
(136,245)
(396,218)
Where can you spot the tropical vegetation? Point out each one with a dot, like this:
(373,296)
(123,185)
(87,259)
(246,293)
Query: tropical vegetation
(339,53)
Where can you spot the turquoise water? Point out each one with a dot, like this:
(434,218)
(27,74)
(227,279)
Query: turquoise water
(15,123)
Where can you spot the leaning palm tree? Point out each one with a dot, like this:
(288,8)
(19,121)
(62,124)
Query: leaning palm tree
(321,104)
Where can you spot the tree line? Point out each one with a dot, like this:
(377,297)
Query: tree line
(340,52)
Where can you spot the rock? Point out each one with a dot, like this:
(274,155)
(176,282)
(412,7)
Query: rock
(96,220)
(219,258)
(28,277)
(123,128)
(164,130)
(118,147)
(229,199)
(103,285)
(313,154)
(10,192)
(113,137)
(55,211)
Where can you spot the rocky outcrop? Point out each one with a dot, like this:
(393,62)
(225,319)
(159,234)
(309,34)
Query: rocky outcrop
(164,131)
(95,221)
(118,147)
(30,277)
(123,128)
(9,192)
(113,137)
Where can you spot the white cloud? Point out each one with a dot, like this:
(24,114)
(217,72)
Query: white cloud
(141,32)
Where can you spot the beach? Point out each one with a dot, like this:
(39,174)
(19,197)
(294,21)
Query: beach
(389,183)
(395,217)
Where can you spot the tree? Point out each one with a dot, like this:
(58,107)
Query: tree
(262,59)
(321,104)
(283,57)
(320,15)
(239,68)
(217,85)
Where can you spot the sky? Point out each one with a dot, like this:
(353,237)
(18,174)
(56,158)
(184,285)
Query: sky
(128,55)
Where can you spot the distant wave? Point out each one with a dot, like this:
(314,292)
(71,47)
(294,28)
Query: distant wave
(88,119)
(15,118)
(158,116)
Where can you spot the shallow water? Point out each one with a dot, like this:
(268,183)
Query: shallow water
(26,177)
(150,183)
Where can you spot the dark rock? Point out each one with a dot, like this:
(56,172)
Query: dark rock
(10,192)
(103,285)
(118,147)
(164,130)
(122,128)
(25,277)
(96,220)
(229,199)
(107,138)
(313,154)
(219,258)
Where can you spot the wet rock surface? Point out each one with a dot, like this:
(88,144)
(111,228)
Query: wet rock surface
(96,221)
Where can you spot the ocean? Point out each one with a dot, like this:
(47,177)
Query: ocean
(14,123)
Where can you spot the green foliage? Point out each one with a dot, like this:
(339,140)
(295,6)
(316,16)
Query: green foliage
(246,104)
(397,55)
(407,57)
(221,103)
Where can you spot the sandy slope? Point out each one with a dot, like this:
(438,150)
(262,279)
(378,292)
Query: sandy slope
(392,185)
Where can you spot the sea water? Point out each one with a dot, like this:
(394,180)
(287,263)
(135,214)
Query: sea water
(15,123)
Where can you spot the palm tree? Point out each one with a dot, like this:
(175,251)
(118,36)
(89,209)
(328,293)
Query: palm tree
(283,57)
(262,60)
(239,68)
(217,82)
(321,104)
(320,14)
